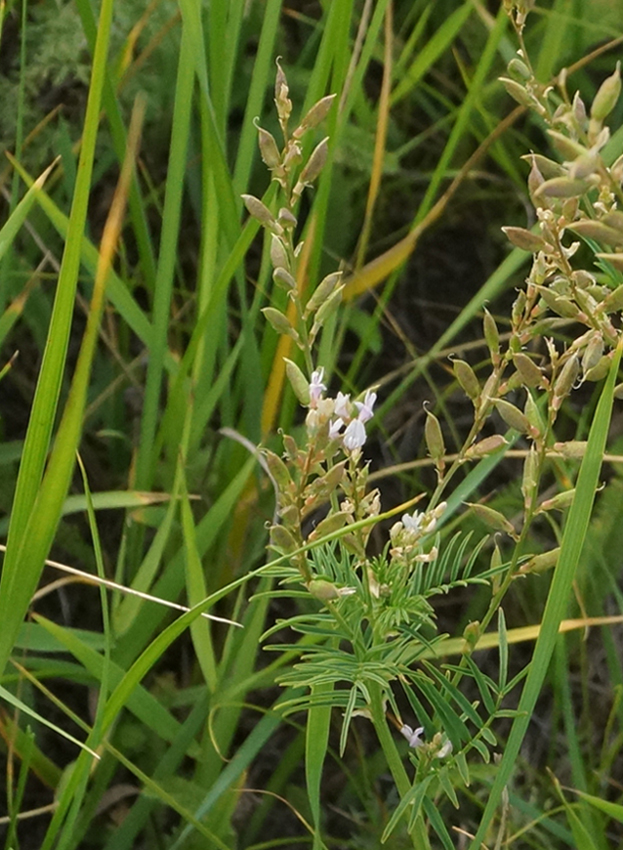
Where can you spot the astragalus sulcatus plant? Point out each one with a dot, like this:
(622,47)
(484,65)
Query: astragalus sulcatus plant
(369,637)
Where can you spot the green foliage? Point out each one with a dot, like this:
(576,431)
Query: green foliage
(165,343)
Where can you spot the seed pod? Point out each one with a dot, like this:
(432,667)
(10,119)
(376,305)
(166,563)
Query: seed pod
(314,166)
(282,540)
(570,149)
(315,116)
(278,253)
(518,68)
(524,239)
(332,523)
(517,91)
(540,563)
(607,96)
(493,519)
(518,307)
(533,415)
(280,323)
(531,375)
(618,391)
(259,211)
(434,441)
(599,370)
(559,502)
(287,219)
(485,447)
(278,470)
(593,352)
(284,279)
(298,382)
(530,478)
(471,635)
(466,377)
(597,230)
(268,148)
(613,301)
(614,219)
(545,167)
(512,416)
(572,449)
(492,336)
(562,187)
(565,381)
(558,304)
(585,165)
(323,590)
(323,291)
(327,308)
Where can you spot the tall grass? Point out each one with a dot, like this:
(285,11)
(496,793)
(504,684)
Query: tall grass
(132,288)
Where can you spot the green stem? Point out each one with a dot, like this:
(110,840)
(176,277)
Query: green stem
(419,835)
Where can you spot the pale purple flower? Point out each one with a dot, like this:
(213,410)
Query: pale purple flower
(316,387)
(414,737)
(365,407)
(355,435)
(342,406)
(335,427)
(413,522)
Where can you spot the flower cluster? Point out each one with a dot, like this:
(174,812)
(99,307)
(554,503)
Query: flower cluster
(339,413)
(406,535)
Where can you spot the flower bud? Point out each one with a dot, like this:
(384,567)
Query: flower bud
(313,167)
(492,336)
(530,478)
(517,92)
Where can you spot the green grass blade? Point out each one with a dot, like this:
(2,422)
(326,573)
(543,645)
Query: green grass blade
(558,596)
